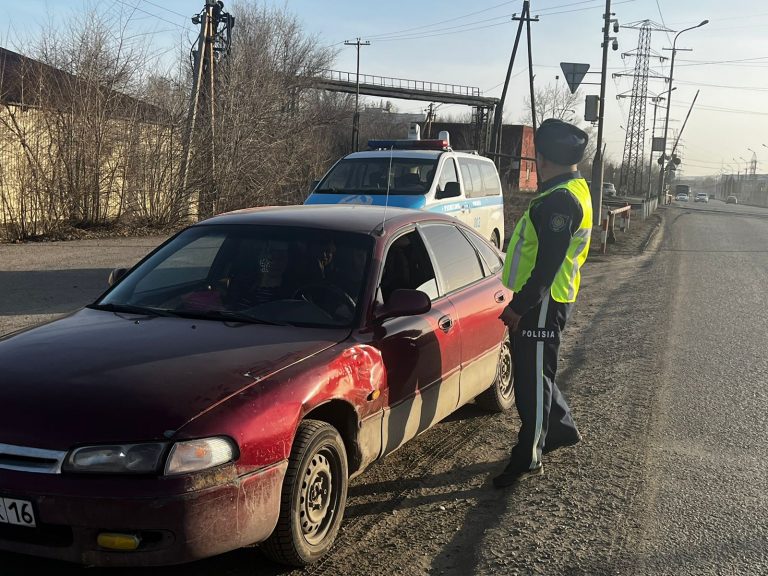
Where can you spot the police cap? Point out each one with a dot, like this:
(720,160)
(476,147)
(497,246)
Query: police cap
(560,142)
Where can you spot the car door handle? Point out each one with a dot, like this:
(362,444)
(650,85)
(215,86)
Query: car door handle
(499,297)
(445,323)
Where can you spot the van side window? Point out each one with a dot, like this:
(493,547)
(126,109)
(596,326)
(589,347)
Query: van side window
(490,181)
(469,184)
(477,178)
(447,174)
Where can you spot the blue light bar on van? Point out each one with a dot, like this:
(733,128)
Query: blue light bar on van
(438,144)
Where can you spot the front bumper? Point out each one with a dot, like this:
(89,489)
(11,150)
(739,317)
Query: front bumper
(172,528)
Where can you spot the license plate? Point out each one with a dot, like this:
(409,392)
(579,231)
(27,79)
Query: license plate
(17,512)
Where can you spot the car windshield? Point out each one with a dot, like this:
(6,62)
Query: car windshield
(409,176)
(250,273)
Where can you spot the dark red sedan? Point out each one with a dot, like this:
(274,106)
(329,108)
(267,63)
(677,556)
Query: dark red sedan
(224,390)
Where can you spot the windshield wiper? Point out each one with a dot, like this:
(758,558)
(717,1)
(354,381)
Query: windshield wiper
(229,316)
(131,309)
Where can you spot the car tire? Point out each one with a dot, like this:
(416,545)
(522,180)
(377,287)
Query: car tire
(496,239)
(501,395)
(313,498)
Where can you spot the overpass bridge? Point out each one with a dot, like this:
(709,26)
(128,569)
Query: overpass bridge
(384,87)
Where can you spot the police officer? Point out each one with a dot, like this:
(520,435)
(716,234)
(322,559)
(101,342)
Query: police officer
(548,247)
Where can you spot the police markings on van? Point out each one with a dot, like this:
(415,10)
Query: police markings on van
(419,174)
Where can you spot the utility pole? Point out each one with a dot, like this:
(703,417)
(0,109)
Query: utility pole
(356,119)
(498,113)
(662,172)
(656,101)
(597,163)
(211,44)
(430,119)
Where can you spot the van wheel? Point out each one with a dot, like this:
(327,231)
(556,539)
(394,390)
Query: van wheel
(501,395)
(496,239)
(313,498)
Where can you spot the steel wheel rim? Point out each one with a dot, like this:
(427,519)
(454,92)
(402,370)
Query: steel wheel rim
(318,497)
(506,388)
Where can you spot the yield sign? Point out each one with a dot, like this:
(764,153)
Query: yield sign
(574,73)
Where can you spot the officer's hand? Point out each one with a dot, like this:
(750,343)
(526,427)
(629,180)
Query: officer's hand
(510,318)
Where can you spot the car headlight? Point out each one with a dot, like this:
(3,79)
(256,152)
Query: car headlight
(194,455)
(116,458)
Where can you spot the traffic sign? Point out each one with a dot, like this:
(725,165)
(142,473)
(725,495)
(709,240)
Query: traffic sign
(574,73)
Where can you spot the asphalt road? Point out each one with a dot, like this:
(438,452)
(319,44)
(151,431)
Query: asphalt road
(664,365)
(707,473)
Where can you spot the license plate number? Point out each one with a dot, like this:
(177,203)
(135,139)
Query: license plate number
(17,512)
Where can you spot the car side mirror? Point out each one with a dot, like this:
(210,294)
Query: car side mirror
(404,302)
(451,190)
(115,275)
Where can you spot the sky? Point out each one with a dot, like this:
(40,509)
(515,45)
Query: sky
(469,43)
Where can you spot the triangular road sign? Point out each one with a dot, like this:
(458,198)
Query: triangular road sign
(574,73)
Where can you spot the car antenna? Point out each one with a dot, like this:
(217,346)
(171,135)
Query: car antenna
(386,199)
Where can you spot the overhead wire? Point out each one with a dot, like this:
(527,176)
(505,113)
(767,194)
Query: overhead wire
(132,7)
(429,26)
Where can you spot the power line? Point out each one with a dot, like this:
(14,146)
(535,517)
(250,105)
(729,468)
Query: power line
(136,8)
(470,27)
(413,29)
(723,109)
(725,86)
(185,16)
(419,37)
(658,5)
(396,32)
(505,19)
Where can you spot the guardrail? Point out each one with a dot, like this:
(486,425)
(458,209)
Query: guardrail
(609,223)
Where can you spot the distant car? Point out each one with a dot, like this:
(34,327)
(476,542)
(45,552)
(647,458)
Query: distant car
(224,390)
(731,200)
(682,197)
(701,197)
(609,189)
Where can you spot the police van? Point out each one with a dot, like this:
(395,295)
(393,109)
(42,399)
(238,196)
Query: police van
(420,174)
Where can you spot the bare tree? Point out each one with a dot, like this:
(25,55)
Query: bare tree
(271,126)
(73,117)
(552,101)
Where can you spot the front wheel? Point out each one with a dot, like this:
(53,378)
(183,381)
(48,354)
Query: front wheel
(501,395)
(313,498)
(496,239)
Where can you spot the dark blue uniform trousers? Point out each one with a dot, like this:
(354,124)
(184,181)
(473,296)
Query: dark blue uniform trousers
(544,413)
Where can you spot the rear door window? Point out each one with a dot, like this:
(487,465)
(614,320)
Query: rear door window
(466,176)
(477,178)
(490,181)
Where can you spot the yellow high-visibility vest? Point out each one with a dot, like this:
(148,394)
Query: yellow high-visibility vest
(524,246)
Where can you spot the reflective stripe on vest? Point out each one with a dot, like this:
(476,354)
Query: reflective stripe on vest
(524,247)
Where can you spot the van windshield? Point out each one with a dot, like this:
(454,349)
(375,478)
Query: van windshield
(409,176)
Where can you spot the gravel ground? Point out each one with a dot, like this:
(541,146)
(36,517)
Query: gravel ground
(430,507)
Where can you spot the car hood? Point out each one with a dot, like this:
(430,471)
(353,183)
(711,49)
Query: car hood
(99,376)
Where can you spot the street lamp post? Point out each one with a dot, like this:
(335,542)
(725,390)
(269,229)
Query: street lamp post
(655,100)
(669,106)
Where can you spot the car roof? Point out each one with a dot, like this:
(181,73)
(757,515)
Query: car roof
(412,154)
(341,217)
